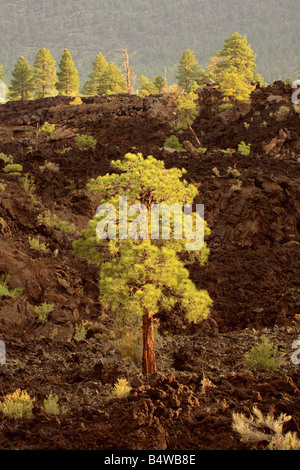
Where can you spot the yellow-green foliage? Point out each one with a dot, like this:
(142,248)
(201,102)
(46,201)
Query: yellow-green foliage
(53,221)
(259,428)
(4,289)
(48,129)
(76,101)
(263,357)
(121,389)
(17,405)
(42,311)
(51,405)
(35,244)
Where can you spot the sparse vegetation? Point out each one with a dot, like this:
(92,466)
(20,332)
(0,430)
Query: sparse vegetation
(13,169)
(121,389)
(43,311)
(48,129)
(173,143)
(85,142)
(244,149)
(259,429)
(4,289)
(17,405)
(264,357)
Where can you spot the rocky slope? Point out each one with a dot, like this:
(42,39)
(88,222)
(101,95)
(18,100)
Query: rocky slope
(252,206)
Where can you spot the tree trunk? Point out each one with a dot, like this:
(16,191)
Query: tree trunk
(149,361)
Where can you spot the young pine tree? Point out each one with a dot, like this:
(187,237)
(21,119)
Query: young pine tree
(141,272)
(237,53)
(188,71)
(68,80)
(44,74)
(22,82)
(95,78)
(235,87)
(112,81)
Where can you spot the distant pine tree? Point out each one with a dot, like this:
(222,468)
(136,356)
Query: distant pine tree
(95,78)
(68,80)
(22,83)
(237,53)
(112,81)
(2,73)
(188,71)
(44,73)
(235,87)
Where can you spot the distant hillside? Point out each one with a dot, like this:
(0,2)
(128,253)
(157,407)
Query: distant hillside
(158,31)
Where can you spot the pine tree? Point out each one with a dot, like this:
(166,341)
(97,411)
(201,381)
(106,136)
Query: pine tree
(44,74)
(188,71)
(141,276)
(68,80)
(22,83)
(235,87)
(159,83)
(237,53)
(146,87)
(2,73)
(112,81)
(95,78)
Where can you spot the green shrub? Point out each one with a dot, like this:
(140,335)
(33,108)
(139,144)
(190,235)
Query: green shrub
(84,142)
(80,332)
(17,405)
(35,244)
(51,405)
(263,357)
(53,221)
(121,389)
(6,158)
(48,129)
(13,169)
(225,107)
(244,149)
(173,143)
(42,311)
(4,289)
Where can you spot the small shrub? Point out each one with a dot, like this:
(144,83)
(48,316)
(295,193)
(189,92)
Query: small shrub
(42,311)
(246,125)
(121,389)
(13,169)
(17,405)
(264,357)
(76,101)
(35,244)
(282,113)
(50,166)
(80,332)
(4,289)
(29,186)
(173,143)
(225,107)
(53,221)
(237,186)
(2,187)
(201,149)
(51,405)
(48,129)
(6,158)
(244,149)
(258,428)
(84,142)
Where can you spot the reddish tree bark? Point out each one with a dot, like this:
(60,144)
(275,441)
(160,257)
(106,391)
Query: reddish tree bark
(149,361)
